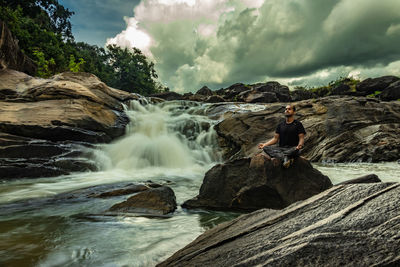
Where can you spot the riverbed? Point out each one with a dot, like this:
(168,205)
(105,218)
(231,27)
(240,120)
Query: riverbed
(52,222)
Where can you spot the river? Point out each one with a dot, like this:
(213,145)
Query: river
(43,224)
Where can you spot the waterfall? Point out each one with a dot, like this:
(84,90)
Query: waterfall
(173,134)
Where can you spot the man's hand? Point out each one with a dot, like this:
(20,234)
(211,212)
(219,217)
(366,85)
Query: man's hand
(261,145)
(298,147)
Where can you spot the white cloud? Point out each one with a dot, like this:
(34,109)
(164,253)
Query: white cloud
(133,36)
(220,42)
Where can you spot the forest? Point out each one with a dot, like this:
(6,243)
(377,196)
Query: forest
(43,30)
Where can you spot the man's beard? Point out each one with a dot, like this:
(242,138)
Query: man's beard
(288,115)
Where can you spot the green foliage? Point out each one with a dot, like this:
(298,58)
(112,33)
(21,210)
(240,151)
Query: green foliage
(43,30)
(75,66)
(43,64)
(132,71)
(327,89)
(375,94)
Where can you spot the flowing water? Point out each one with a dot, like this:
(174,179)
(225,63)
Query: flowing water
(42,224)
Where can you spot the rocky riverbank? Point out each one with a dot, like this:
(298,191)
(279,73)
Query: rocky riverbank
(46,124)
(354,225)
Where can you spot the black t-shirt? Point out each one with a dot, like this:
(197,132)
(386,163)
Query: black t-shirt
(289,133)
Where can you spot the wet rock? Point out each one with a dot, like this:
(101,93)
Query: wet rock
(127,190)
(370,85)
(339,129)
(258,182)
(43,122)
(369,178)
(347,225)
(22,157)
(157,201)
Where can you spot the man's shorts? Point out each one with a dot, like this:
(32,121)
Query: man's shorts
(281,152)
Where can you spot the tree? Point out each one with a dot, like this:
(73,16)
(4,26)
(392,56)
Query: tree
(132,71)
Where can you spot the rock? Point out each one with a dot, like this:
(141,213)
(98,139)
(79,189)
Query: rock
(214,99)
(281,92)
(341,89)
(232,91)
(127,190)
(10,54)
(339,129)
(254,183)
(157,201)
(369,178)
(204,91)
(346,225)
(302,94)
(22,157)
(392,92)
(261,97)
(168,96)
(44,123)
(370,85)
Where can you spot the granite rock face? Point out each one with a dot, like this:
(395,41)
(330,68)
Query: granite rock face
(339,129)
(48,123)
(346,225)
(258,182)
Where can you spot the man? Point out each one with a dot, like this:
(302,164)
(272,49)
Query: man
(290,134)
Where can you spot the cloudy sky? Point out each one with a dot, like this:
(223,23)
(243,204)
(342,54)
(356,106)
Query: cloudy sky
(221,42)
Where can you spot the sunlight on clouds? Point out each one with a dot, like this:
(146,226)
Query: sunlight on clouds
(221,42)
(132,37)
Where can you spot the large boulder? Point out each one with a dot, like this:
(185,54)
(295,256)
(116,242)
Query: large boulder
(370,85)
(155,201)
(11,55)
(204,91)
(49,123)
(392,92)
(347,225)
(258,182)
(168,96)
(339,129)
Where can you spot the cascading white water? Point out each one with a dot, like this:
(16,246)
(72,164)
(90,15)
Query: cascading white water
(164,135)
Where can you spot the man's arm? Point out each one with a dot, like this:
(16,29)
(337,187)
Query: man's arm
(274,140)
(301,141)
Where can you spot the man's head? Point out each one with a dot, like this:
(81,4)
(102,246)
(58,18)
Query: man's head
(290,110)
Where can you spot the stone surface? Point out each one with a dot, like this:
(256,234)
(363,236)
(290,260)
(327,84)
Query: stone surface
(204,91)
(10,54)
(339,129)
(347,225)
(157,201)
(370,85)
(392,92)
(369,178)
(249,184)
(168,96)
(48,124)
